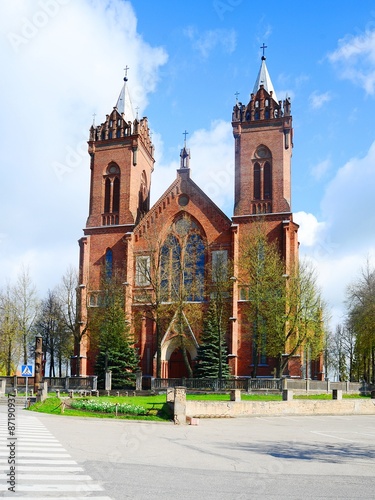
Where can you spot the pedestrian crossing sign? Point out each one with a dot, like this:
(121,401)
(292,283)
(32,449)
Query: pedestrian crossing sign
(27,371)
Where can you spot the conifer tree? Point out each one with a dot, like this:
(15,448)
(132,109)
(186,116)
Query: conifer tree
(212,353)
(110,330)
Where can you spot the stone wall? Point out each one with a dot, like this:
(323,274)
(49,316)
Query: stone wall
(207,409)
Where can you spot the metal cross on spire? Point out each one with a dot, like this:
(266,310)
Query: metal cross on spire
(263,47)
(237,94)
(185,134)
(126,73)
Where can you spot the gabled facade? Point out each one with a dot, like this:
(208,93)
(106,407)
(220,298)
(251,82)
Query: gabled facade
(123,231)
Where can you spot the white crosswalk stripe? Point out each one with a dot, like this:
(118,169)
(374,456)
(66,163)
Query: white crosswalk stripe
(44,469)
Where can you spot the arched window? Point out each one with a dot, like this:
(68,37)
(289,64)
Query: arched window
(116,195)
(111,193)
(107,196)
(194,268)
(267,182)
(257,181)
(183,263)
(170,269)
(108,264)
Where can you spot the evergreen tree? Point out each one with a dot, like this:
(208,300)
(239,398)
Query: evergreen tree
(115,346)
(212,353)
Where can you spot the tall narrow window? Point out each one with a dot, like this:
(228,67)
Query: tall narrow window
(267,181)
(108,264)
(107,196)
(257,181)
(219,265)
(194,268)
(142,270)
(170,278)
(116,195)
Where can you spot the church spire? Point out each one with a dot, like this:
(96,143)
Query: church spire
(185,154)
(264,78)
(124,103)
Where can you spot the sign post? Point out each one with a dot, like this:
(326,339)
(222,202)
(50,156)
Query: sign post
(26,371)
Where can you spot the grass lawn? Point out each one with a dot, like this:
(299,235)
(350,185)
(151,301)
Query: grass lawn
(156,406)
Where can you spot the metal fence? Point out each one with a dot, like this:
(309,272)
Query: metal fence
(260,385)
(53,383)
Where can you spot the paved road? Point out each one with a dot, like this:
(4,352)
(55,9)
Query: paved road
(268,458)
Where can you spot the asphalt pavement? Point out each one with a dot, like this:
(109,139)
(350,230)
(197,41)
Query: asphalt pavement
(320,457)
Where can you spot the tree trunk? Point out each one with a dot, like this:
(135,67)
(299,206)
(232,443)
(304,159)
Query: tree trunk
(158,349)
(9,358)
(186,359)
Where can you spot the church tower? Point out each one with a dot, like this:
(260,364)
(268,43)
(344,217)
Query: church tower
(263,136)
(121,163)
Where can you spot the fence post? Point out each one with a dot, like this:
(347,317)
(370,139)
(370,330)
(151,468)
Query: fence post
(179,410)
(95,383)
(67,383)
(138,380)
(347,386)
(15,383)
(3,387)
(152,385)
(328,385)
(307,385)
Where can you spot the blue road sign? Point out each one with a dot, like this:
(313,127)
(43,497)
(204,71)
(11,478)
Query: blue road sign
(27,371)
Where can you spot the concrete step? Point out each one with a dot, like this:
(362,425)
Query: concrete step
(19,400)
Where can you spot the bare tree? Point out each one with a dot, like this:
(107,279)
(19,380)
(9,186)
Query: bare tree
(361,318)
(170,276)
(26,304)
(68,296)
(10,347)
(285,311)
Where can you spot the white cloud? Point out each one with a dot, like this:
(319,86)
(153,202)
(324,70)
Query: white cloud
(355,60)
(318,100)
(309,230)
(211,164)
(321,169)
(347,205)
(340,244)
(206,42)
(57,68)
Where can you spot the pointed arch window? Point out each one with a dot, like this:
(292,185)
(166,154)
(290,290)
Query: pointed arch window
(170,269)
(107,195)
(111,194)
(257,181)
(116,195)
(267,181)
(183,264)
(108,263)
(194,268)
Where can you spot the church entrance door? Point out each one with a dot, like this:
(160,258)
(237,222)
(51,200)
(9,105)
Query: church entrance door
(176,365)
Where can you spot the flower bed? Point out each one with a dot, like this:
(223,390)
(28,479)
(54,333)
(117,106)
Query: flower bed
(106,407)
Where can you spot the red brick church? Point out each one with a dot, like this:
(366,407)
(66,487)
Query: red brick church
(121,223)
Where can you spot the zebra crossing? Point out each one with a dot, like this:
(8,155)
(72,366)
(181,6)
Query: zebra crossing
(44,469)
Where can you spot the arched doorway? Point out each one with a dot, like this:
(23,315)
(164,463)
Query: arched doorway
(176,364)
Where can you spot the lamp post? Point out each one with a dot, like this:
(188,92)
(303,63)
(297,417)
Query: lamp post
(38,363)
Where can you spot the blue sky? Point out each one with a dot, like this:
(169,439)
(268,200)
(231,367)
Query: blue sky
(63,61)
